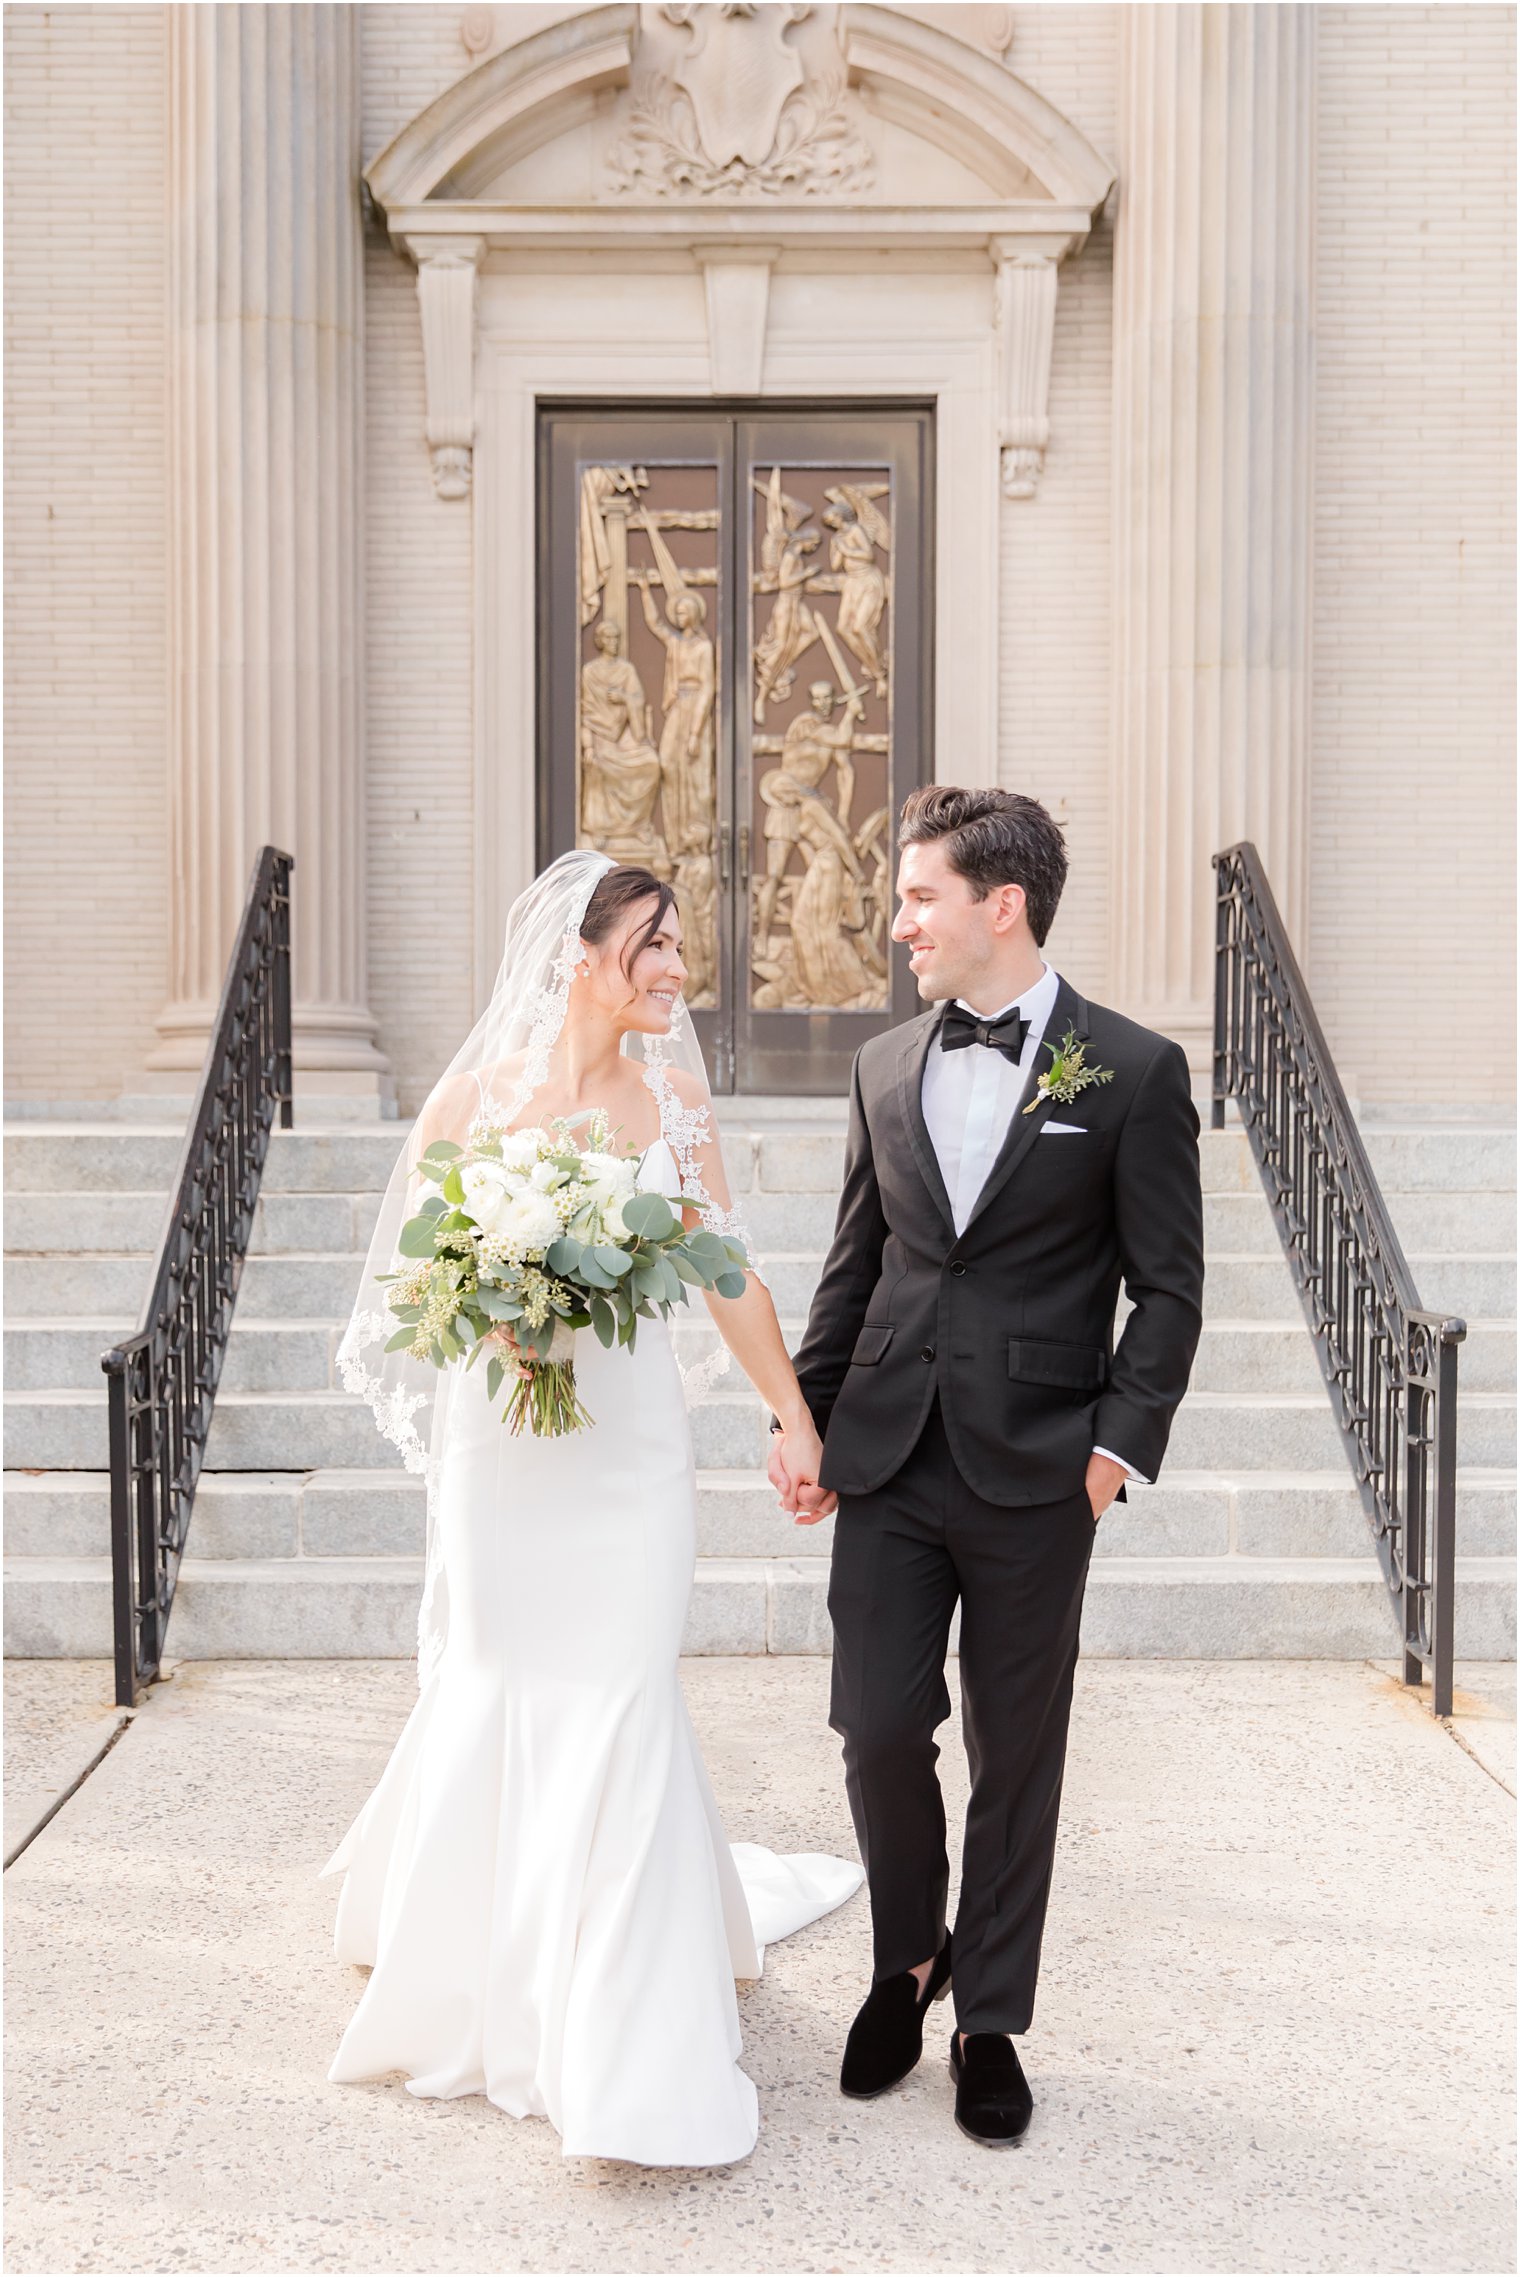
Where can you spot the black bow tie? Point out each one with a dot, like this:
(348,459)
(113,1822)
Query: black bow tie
(1005,1034)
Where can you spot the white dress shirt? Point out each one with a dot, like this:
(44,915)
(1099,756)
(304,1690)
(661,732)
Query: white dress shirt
(969,1100)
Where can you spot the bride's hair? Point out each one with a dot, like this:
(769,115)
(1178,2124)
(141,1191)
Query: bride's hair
(615,895)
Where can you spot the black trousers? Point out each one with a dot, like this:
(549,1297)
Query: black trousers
(902,1556)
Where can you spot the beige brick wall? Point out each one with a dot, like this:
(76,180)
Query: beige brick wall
(1054,647)
(85,868)
(1414,735)
(419,616)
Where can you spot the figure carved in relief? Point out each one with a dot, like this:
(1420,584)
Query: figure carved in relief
(784,570)
(608,494)
(620,767)
(831,945)
(859,527)
(814,742)
(688,760)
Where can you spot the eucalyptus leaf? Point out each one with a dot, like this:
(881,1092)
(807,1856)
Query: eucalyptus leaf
(494,1374)
(649,1215)
(399,1342)
(614,1261)
(417,1238)
(730,1284)
(563,1256)
(603,1322)
(442,1150)
(453,1189)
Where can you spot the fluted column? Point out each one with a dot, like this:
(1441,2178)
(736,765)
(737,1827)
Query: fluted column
(1213,408)
(265,435)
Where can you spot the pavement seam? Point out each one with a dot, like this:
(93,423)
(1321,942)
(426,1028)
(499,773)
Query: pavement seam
(1467,1748)
(92,1763)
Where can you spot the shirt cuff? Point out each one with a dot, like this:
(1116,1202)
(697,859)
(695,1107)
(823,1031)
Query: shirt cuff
(1139,1477)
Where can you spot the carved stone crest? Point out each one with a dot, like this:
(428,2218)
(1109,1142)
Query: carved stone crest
(725,103)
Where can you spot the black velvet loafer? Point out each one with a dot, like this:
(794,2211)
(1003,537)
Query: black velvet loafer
(993,2104)
(887,2037)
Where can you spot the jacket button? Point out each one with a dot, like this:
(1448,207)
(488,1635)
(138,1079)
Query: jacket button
(957,1265)
(927,1352)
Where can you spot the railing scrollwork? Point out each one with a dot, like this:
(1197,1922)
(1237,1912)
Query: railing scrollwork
(1390,1365)
(161,1382)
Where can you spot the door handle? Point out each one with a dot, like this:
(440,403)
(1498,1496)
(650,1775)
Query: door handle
(725,853)
(744,853)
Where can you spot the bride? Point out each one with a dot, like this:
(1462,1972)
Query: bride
(540,1883)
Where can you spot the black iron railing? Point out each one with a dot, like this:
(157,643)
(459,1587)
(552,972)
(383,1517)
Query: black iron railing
(161,1383)
(1391,1365)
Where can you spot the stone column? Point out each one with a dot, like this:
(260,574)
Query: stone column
(1213,375)
(265,436)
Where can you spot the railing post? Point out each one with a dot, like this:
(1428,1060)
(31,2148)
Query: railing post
(1444,1547)
(284,1080)
(1221,995)
(123,1563)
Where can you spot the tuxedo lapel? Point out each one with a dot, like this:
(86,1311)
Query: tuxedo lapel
(910,1084)
(1068,1011)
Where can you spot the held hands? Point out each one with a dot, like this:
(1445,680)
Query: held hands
(1104,1479)
(796,1458)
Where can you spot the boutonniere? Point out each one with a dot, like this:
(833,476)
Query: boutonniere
(1068,1073)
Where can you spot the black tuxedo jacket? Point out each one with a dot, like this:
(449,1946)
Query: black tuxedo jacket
(1011,1321)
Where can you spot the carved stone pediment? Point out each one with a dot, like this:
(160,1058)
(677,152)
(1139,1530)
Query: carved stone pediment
(739,101)
(848,126)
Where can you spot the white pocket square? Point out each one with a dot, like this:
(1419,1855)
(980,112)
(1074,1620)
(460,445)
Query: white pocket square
(1063,1130)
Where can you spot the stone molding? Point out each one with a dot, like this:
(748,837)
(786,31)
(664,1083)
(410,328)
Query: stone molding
(738,282)
(978,110)
(431,179)
(507,107)
(1026,330)
(446,268)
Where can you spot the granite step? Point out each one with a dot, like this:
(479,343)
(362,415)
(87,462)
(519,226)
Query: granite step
(300,1355)
(360,1513)
(66,1430)
(1226,1608)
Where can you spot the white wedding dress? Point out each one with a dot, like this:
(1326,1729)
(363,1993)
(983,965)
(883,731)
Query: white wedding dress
(540,1883)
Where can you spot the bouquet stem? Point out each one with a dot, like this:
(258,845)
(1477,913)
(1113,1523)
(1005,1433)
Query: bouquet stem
(544,1400)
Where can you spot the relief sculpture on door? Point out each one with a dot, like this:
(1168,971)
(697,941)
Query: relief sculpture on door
(647,777)
(819,928)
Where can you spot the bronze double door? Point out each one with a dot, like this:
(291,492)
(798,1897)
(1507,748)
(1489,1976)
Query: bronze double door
(734,692)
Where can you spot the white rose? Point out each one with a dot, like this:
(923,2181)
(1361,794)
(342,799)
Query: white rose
(529,1223)
(487,1191)
(543,1176)
(612,1218)
(608,1175)
(519,1150)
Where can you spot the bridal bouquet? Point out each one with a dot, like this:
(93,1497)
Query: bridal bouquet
(529,1237)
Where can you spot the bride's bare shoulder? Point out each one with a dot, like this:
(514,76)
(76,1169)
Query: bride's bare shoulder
(456,1100)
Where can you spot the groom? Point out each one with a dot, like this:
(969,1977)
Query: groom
(1013,1153)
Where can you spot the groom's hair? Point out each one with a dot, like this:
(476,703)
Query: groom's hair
(993,838)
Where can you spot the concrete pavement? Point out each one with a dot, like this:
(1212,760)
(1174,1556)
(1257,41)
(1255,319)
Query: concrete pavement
(1273,2035)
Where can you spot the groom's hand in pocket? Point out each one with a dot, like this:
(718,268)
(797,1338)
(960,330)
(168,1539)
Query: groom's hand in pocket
(1104,1479)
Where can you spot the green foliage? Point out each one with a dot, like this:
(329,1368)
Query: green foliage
(451,1295)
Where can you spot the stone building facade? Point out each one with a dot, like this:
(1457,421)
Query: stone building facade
(1206,314)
